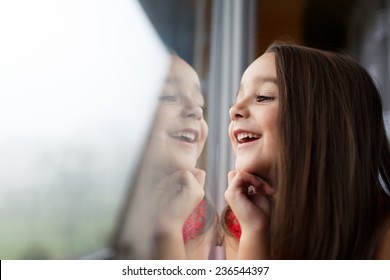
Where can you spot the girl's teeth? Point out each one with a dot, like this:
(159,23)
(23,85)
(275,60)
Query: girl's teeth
(186,135)
(189,135)
(244,135)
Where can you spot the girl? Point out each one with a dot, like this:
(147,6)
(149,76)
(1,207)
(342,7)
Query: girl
(312,160)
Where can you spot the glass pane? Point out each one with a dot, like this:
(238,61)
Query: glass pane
(168,190)
(77,100)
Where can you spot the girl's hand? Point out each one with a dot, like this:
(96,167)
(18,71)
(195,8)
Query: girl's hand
(178,195)
(248,197)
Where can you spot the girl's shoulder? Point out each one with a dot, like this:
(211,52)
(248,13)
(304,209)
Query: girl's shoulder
(232,223)
(230,233)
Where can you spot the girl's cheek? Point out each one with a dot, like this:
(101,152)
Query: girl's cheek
(231,137)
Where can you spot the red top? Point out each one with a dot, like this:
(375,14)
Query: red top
(195,222)
(232,223)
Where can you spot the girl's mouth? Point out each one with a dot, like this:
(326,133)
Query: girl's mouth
(245,137)
(187,135)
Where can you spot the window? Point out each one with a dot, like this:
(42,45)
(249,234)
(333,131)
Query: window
(369,42)
(73,122)
(81,84)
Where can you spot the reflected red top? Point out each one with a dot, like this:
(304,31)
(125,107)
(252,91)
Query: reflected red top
(196,221)
(233,224)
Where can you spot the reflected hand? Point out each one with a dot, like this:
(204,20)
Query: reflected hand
(178,195)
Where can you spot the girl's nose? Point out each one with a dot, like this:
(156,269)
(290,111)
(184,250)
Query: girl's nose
(238,110)
(192,110)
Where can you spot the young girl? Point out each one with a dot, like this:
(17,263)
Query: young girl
(312,160)
(168,215)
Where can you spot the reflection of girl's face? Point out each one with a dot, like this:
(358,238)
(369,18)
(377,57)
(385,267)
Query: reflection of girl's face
(180,130)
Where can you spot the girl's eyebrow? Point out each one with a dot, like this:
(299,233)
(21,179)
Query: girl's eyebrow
(260,80)
(172,80)
(263,80)
(177,81)
(266,79)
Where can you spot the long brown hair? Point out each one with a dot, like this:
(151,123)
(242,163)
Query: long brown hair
(333,148)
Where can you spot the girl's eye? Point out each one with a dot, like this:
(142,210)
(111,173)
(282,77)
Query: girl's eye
(263,98)
(168,98)
(203,108)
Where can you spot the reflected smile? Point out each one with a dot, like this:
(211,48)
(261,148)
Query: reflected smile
(186,135)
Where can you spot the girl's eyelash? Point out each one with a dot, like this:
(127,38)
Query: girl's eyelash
(262,98)
(168,98)
(204,110)
(174,99)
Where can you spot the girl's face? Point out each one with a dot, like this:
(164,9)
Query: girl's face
(180,130)
(253,129)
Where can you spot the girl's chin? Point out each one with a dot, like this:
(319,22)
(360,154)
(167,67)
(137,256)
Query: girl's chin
(243,167)
(247,168)
(182,164)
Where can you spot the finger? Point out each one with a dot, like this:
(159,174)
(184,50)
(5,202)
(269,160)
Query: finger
(170,182)
(264,188)
(190,186)
(243,180)
(200,176)
(187,179)
(231,175)
(261,201)
(181,190)
(164,184)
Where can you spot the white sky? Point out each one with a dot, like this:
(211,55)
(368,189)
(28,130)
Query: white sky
(75,74)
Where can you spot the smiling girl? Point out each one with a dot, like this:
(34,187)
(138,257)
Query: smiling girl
(312,160)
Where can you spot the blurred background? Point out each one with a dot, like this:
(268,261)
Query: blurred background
(64,198)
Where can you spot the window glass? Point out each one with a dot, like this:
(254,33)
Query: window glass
(90,92)
(211,40)
(77,99)
(369,43)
